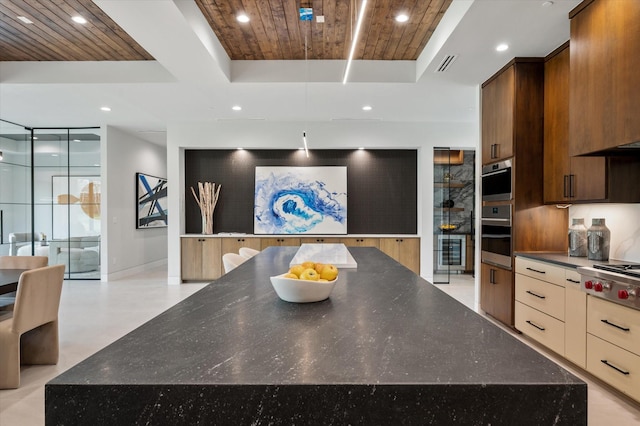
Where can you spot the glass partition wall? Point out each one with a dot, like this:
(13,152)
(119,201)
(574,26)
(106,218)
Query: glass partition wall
(15,188)
(454,200)
(56,198)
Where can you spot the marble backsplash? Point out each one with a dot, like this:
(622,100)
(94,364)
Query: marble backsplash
(624,222)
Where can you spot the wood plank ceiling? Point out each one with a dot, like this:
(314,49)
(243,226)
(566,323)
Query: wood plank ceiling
(53,36)
(274,31)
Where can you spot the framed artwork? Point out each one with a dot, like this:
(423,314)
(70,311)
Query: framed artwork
(151,196)
(76,206)
(300,200)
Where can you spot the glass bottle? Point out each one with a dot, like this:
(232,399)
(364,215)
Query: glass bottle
(578,238)
(598,240)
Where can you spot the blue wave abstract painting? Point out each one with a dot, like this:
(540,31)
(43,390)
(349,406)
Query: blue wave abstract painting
(300,200)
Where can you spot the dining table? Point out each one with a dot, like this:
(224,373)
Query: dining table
(9,279)
(387,347)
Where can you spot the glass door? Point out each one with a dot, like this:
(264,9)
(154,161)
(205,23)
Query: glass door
(67,199)
(453,201)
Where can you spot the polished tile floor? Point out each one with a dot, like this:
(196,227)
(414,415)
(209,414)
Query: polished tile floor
(94,314)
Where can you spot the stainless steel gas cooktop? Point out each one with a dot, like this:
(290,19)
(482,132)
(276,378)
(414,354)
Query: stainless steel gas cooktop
(619,283)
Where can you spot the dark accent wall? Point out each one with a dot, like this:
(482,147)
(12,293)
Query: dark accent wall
(381,186)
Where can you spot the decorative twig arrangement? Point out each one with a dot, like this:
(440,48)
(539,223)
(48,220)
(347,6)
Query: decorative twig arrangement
(207,200)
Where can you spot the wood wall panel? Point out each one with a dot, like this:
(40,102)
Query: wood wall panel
(381,186)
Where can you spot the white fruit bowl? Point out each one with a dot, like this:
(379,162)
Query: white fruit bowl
(301,291)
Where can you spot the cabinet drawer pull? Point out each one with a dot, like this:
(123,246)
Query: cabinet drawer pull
(615,325)
(619,370)
(573,281)
(565,192)
(571,186)
(535,270)
(534,325)
(536,295)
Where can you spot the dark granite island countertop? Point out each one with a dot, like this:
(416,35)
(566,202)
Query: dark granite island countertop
(387,348)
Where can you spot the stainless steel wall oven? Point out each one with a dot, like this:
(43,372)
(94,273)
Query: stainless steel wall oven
(496,235)
(496,181)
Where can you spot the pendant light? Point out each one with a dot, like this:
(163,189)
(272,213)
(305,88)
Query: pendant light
(307,15)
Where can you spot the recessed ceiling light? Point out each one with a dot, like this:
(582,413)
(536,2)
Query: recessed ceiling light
(402,18)
(35,137)
(242,18)
(76,140)
(236,108)
(54,155)
(105,108)
(25,19)
(367,108)
(239,148)
(547,4)
(502,47)
(79,19)
(361,148)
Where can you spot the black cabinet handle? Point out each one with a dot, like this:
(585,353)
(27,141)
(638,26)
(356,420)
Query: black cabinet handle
(492,276)
(573,281)
(535,270)
(619,370)
(615,325)
(565,192)
(534,325)
(536,295)
(572,186)
(494,150)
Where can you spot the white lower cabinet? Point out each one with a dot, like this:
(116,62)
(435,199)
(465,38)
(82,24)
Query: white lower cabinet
(598,335)
(616,366)
(575,321)
(541,303)
(540,327)
(613,345)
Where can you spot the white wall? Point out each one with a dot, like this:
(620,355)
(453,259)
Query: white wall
(126,249)
(326,135)
(623,220)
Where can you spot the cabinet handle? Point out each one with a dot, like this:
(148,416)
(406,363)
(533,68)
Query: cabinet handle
(619,370)
(572,186)
(492,276)
(534,325)
(615,325)
(573,281)
(536,295)
(535,270)
(565,192)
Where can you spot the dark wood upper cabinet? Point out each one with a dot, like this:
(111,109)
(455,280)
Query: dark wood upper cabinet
(604,82)
(566,179)
(498,96)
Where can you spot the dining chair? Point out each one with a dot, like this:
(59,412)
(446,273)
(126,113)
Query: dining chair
(30,336)
(248,252)
(23,262)
(18,262)
(231,261)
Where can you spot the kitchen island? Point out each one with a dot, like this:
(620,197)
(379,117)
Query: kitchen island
(386,348)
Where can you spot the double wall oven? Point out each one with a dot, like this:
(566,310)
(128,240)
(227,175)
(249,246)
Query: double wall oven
(496,236)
